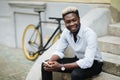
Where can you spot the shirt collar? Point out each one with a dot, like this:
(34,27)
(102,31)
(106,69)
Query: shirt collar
(80,32)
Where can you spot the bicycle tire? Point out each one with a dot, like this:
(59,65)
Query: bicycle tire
(56,38)
(28,45)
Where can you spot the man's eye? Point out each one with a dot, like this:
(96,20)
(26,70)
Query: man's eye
(74,20)
(67,21)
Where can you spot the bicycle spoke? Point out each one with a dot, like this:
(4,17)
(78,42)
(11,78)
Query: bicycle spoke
(32,35)
(36,37)
(34,47)
(37,45)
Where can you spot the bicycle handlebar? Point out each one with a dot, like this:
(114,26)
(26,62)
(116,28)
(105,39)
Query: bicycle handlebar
(58,19)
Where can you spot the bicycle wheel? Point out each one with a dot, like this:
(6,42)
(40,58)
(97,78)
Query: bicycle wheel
(31,42)
(56,38)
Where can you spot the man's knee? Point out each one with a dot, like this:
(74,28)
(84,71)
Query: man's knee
(75,75)
(42,67)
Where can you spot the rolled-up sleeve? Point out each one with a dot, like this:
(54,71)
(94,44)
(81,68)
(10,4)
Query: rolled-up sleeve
(90,51)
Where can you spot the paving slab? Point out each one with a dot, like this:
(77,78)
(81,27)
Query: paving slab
(13,64)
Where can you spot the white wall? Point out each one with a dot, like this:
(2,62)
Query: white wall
(14,19)
(7,31)
(98,19)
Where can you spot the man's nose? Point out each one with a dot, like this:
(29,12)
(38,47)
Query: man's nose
(72,23)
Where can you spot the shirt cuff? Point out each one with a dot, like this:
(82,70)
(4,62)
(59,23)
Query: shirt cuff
(83,63)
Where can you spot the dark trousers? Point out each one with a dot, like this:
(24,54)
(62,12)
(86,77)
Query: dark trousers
(78,73)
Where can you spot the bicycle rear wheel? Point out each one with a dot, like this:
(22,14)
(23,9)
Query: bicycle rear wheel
(56,38)
(31,42)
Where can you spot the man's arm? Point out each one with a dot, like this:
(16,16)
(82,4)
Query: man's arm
(71,65)
(55,66)
(68,65)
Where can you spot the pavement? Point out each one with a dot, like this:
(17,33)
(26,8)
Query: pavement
(13,64)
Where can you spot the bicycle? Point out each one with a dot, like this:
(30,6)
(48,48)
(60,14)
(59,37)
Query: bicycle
(33,44)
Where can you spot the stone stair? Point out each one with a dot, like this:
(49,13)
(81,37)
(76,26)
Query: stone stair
(110,47)
(111,63)
(101,76)
(105,76)
(114,29)
(110,44)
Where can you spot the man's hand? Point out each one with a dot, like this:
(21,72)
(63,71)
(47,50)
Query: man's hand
(52,66)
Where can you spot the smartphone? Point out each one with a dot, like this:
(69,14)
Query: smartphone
(46,63)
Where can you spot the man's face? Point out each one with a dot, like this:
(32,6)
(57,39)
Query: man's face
(72,22)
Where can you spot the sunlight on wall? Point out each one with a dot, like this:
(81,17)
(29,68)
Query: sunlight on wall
(116,4)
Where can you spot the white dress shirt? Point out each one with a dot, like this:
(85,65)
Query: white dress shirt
(85,48)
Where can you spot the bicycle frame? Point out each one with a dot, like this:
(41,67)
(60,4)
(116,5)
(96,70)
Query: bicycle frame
(58,29)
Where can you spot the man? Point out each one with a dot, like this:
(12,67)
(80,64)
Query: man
(87,61)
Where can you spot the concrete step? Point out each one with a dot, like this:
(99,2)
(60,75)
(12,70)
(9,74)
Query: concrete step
(114,29)
(105,76)
(111,63)
(110,44)
(101,76)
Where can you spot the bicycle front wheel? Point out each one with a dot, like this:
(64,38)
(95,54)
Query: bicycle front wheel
(31,42)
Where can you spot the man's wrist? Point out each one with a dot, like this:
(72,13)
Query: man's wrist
(62,67)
